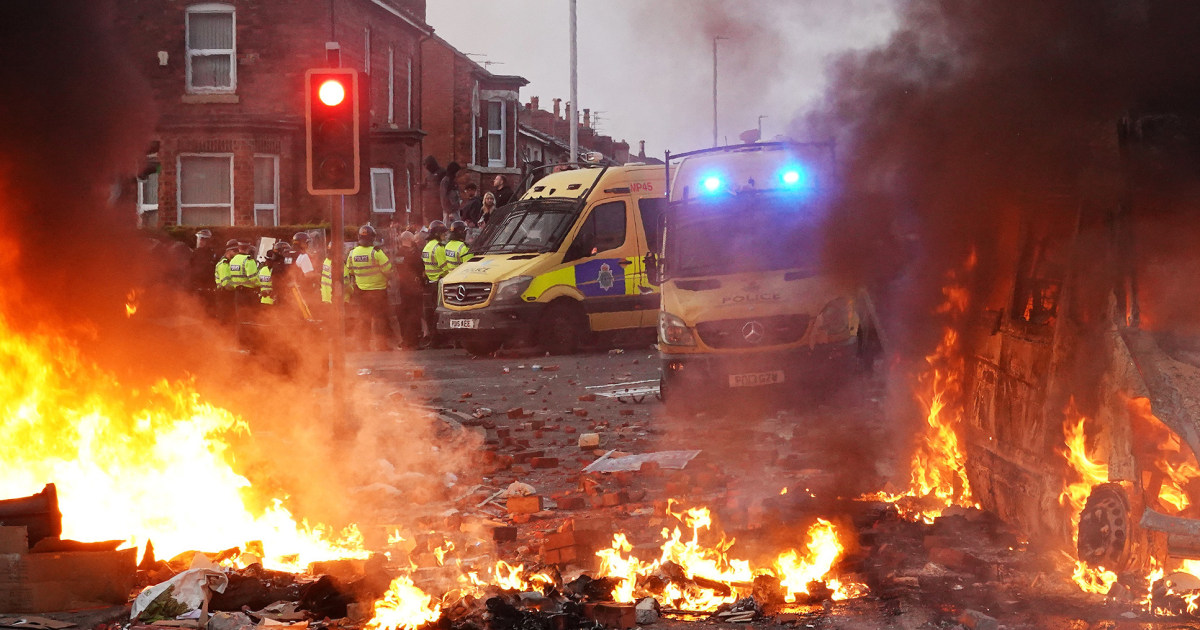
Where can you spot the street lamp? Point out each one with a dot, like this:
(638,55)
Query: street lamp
(715,87)
(760,117)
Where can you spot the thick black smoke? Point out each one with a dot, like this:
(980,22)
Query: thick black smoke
(75,123)
(976,112)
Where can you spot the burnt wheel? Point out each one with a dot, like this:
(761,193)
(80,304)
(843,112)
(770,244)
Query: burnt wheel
(1105,527)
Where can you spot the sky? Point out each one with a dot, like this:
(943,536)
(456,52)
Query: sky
(646,66)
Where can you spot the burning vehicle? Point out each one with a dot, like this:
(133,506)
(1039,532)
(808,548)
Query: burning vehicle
(1082,377)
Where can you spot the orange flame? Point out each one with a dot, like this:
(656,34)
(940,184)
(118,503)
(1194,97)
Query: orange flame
(794,570)
(131,303)
(1074,495)
(404,607)
(137,466)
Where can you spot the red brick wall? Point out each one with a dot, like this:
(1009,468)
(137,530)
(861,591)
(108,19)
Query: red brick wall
(276,43)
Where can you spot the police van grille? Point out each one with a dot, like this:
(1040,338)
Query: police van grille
(732,333)
(466,293)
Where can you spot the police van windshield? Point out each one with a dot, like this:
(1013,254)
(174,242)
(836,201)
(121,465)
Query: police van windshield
(527,226)
(740,234)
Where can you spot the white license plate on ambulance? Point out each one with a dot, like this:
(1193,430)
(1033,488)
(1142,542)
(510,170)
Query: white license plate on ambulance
(756,378)
(464,323)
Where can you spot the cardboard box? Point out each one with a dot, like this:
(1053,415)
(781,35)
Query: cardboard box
(45,582)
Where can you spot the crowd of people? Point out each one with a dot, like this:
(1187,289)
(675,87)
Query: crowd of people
(390,280)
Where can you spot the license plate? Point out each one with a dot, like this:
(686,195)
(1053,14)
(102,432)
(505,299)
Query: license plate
(756,378)
(464,323)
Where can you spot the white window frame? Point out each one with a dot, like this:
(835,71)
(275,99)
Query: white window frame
(179,187)
(391,191)
(190,52)
(274,184)
(408,190)
(143,206)
(391,85)
(475,124)
(497,132)
(367,50)
(408,99)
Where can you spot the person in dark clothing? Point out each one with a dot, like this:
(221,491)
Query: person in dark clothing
(201,262)
(410,281)
(448,189)
(503,192)
(472,206)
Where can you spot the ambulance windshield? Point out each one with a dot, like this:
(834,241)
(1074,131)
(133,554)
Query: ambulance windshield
(709,237)
(528,226)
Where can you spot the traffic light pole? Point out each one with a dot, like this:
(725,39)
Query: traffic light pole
(337,367)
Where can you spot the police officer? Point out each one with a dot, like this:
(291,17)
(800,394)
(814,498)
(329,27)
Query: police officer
(243,277)
(272,276)
(434,258)
(201,264)
(457,251)
(368,268)
(223,281)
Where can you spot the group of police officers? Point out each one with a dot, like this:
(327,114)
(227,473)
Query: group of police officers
(395,293)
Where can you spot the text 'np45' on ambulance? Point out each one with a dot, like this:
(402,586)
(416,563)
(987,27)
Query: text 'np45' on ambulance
(564,262)
(745,301)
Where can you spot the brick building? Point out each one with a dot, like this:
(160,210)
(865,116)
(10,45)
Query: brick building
(470,116)
(228,81)
(545,136)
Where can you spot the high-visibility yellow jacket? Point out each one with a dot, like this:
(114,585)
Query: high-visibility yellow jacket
(243,272)
(457,253)
(369,267)
(434,257)
(221,274)
(327,282)
(265,286)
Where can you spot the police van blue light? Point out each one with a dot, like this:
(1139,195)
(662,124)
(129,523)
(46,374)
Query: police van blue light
(711,184)
(794,177)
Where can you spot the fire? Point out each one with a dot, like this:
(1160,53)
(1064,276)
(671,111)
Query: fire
(404,607)
(131,303)
(938,469)
(1074,495)
(1177,465)
(137,465)
(706,565)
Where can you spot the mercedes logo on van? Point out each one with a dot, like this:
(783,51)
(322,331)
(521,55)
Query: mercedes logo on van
(461,294)
(753,332)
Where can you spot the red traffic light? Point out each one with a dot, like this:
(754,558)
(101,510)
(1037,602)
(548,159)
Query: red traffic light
(332,131)
(332,92)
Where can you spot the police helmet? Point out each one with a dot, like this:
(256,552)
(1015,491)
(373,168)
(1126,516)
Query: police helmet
(458,230)
(231,244)
(281,247)
(366,235)
(205,233)
(300,237)
(273,255)
(437,229)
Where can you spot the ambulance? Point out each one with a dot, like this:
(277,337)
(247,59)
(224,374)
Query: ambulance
(565,262)
(746,303)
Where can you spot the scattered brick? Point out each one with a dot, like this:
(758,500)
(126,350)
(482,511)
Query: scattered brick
(587,398)
(524,505)
(516,413)
(579,411)
(589,441)
(627,412)
(572,503)
(504,533)
(544,462)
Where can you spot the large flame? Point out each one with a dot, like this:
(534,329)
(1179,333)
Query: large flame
(404,607)
(137,466)
(1087,473)
(707,564)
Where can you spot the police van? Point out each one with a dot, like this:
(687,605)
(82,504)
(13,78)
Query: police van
(746,302)
(562,263)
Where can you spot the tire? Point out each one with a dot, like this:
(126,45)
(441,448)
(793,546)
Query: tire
(563,327)
(481,347)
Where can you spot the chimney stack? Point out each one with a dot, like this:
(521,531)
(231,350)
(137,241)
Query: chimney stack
(587,117)
(533,102)
(557,108)
(642,149)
